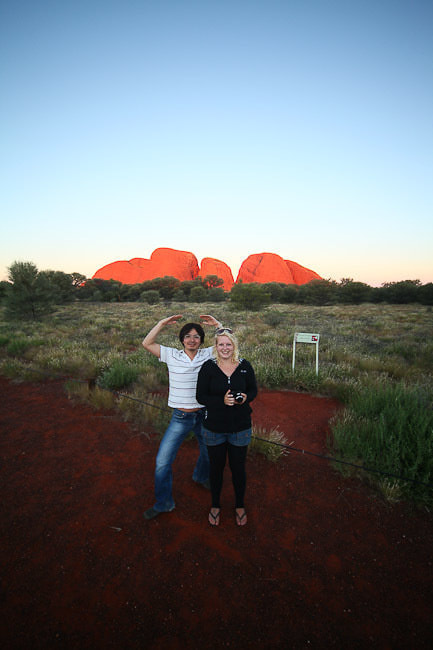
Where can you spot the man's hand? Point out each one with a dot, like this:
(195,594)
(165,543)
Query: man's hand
(171,320)
(207,319)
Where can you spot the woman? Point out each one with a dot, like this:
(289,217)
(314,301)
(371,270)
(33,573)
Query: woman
(226,385)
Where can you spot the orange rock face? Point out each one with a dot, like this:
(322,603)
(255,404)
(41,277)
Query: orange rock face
(265,267)
(163,261)
(183,265)
(300,274)
(179,264)
(126,272)
(210,266)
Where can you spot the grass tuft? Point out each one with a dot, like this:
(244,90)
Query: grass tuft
(269,443)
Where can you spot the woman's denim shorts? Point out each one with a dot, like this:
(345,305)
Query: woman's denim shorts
(239,439)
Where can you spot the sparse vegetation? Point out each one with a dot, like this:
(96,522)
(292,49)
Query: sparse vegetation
(390,428)
(260,443)
(364,349)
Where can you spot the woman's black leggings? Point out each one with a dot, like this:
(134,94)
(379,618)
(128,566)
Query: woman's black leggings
(217,460)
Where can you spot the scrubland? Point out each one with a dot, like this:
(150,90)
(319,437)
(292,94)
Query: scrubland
(376,359)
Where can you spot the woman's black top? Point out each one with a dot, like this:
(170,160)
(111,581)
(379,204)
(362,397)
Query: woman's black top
(212,385)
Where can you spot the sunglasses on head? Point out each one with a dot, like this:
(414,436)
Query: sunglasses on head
(221,330)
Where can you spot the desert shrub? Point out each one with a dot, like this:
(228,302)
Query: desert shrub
(250,297)
(150,410)
(216,294)
(120,374)
(212,282)
(14,368)
(151,297)
(17,347)
(275,290)
(180,296)
(390,428)
(425,294)
(29,295)
(353,292)
(272,444)
(198,294)
(274,318)
(289,294)
(97,397)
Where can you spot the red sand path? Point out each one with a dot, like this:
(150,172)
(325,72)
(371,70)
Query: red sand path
(322,562)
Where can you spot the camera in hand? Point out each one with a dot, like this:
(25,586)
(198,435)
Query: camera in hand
(238,397)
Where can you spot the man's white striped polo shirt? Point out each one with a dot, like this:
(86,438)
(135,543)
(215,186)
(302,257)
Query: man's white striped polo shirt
(182,375)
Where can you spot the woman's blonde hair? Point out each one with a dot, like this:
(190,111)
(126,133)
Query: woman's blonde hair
(233,339)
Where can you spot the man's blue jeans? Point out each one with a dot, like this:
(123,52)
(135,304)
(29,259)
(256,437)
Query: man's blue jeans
(180,425)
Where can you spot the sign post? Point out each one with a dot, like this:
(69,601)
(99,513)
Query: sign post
(304,337)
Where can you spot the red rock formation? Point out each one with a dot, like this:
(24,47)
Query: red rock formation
(126,272)
(260,267)
(265,267)
(210,266)
(301,275)
(179,264)
(163,261)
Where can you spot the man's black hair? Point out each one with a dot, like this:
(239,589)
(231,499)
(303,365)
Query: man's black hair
(191,326)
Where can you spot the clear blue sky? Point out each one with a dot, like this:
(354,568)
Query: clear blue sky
(298,127)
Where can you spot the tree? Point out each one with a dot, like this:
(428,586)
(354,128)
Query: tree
(77,279)
(30,293)
(275,289)
(401,293)
(166,286)
(251,296)
(425,294)
(187,285)
(216,294)
(180,296)
(3,289)
(151,297)
(198,294)
(212,282)
(99,290)
(132,292)
(317,292)
(353,292)
(289,293)
(62,286)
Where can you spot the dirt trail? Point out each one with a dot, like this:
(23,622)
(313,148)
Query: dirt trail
(321,563)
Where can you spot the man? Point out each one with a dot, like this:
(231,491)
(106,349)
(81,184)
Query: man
(183,367)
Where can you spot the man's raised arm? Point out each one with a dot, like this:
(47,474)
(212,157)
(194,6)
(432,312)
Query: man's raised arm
(149,342)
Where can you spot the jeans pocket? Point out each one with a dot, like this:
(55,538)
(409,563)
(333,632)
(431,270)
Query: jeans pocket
(241,439)
(210,438)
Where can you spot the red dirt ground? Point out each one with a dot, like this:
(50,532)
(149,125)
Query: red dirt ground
(322,562)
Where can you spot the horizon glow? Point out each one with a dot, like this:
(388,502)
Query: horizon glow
(300,129)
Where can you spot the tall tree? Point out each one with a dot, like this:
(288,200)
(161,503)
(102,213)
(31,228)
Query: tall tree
(30,293)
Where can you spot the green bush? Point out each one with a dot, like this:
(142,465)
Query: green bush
(216,294)
(151,297)
(198,294)
(274,318)
(390,428)
(17,347)
(251,297)
(30,294)
(121,374)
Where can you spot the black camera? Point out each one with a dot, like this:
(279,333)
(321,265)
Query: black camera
(238,397)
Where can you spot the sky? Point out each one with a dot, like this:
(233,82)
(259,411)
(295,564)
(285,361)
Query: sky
(297,127)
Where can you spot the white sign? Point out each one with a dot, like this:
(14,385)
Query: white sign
(304,337)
